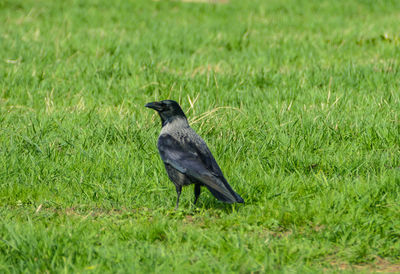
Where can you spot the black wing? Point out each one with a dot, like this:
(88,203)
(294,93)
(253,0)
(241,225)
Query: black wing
(196,161)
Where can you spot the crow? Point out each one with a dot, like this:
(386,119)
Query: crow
(186,156)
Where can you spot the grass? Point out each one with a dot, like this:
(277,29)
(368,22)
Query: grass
(298,100)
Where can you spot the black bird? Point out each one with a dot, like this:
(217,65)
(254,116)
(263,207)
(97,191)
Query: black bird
(186,156)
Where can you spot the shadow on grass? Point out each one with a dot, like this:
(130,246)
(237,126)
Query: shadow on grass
(207,205)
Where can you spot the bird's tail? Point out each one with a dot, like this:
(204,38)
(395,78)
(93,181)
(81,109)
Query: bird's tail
(234,198)
(229,197)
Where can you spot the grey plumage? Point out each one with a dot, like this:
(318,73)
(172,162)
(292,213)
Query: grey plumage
(186,156)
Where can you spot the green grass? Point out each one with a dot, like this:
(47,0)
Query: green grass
(298,100)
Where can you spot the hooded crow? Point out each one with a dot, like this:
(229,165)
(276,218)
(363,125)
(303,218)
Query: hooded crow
(186,156)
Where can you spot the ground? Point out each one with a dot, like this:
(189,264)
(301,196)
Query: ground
(298,101)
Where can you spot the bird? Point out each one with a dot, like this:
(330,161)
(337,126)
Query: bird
(187,158)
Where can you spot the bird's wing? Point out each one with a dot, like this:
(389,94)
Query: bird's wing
(196,161)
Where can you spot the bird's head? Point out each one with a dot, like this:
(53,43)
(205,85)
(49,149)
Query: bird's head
(167,109)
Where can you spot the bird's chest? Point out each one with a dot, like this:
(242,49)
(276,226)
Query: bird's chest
(182,135)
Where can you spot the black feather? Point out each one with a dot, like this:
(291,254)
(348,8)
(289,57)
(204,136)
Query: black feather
(197,162)
(186,156)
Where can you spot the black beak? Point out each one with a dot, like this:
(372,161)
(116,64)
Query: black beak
(154,105)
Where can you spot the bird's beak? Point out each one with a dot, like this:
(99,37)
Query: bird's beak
(154,105)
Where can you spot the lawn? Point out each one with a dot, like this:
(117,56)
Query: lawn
(298,100)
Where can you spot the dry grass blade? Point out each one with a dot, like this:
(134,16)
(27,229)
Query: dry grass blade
(192,102)
(197,119)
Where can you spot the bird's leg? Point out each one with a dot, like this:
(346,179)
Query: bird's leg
(178,191)
(197,191)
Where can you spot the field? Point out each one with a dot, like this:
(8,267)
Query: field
(298,100)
